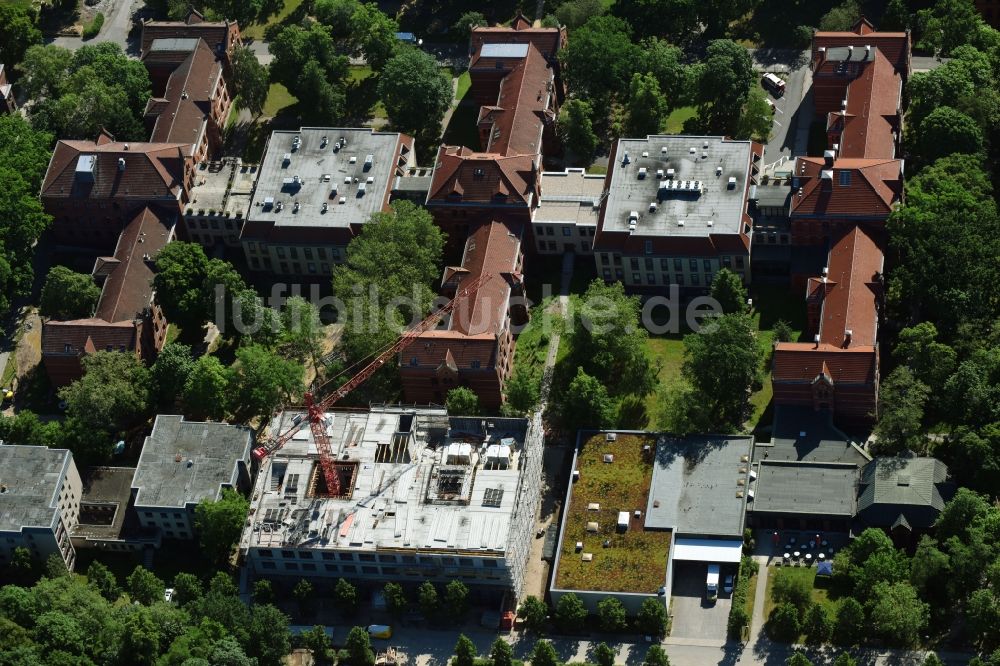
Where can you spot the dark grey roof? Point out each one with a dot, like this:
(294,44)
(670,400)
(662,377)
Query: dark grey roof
(821,443)
(696,487)
(30,478)
(805,487)
(914,489)
(184,462)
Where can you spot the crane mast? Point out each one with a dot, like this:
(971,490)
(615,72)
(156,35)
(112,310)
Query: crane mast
(317,408)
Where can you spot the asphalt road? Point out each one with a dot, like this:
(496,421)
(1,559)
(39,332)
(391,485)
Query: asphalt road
(693,615)
(793,111)
(117,23)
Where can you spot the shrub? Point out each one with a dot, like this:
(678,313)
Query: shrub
(94,27)
(738,616)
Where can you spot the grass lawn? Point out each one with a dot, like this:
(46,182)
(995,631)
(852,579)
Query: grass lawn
(598,168)
(675,121)
(669,351)
(256,31)
(463,85)
(278,98)
(751,596)
(462,129)
(820,594)
(364,80)
(636,560)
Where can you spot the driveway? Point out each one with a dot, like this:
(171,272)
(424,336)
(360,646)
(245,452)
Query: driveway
(693,616)
(117,24)
(793,111)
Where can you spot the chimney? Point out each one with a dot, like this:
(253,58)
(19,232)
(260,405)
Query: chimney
(816,341)
(126,146)
(847,337)
(121,163)
(828,157)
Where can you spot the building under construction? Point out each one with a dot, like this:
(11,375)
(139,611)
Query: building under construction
(418,495)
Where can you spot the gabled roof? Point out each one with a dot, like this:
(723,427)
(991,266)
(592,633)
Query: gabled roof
(870,188)
(519,114)
(153,171)
(850,300)
(873,104)
(189,97)
(86,335)
(480,177)
(802,362)
(128,288)
(547,40)
(215,33)
(895,45)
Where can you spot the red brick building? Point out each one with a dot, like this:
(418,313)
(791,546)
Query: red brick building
(843,200)
(126,319)
(222,37)
(484,196)
(838,371)
(475,346)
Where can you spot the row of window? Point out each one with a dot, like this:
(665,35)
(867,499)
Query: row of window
(553,246)
(694,265)
(372,557)
(543,230)
(205,225)
(293,252)
(695,279)
(771,238)
(370,570)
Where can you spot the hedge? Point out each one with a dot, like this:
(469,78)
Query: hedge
(91,29)
(738,616)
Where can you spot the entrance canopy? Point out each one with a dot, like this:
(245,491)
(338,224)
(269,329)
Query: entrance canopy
(707,550)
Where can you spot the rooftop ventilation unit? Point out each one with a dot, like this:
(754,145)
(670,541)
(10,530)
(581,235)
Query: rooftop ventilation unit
(704,144)
(633,216)
(611,437)
(121,163)
(680,223)
(369,159)
(642,173)
(594,506)
(296,207)
(704,156)
(652,207)
(670,174)
(645,153)
(711,223)
(659,174)
(663,150)
(286,159)
(731,183)
(325,207)
(353,159)
(625,159)
(323,142)
(718,171)
(608,458)
(826,174)
(587,557)
(370,180)
(692,150)
(343,200)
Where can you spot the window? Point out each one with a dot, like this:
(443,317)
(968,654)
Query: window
(448,561)
(163,514)
(324,267)
(335,254)
(567,231)
(845,178)
(264,552)
(330,568)
(707,263)
(293,252)
(252,246)
(541,246)
(254,263)
(349,568)
(409,559)
(281,252)
(739,262)
(585,246)
(680,279)
(283,266)
(308,566)
(305,555)
(215,224)
(649,247)
(548,231)
(607,274)
(636,279)
(664,265)
(693,264)
(268,565)
(307,252)
(649,264)
(465,562)
(369,569)
(366,557)
(651,278)
(349,557)
(695,279)
(291,566)
(149,514)
(726,261)
(552,246)
(634,263)
(387,558)
(678,264)
(311,267)
(180,525)
(619,274)
(321,252)
(490,564)
(289,554)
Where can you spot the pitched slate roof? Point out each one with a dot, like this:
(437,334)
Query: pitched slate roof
(153,171)
(900,491)
(864,188)
(465,175)
(547,40)
(873,105)
(128,288)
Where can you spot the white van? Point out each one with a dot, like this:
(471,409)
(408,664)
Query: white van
(774,84)
(712,583)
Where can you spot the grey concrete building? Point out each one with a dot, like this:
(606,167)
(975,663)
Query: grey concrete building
(568,208)
(40,492)
(421,496)
(182,463)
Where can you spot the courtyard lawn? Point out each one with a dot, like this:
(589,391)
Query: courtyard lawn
(675,121)
(257,30)
(820,593)
(462,87)
(669,352)
(278,99)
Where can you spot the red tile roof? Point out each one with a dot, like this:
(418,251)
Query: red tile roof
(128,288)
(850,302)
(802,362)
(873,104)
(494,249)
(86,335)
(519,115)
(873,187)
(481,177)
(547,40)
(153,171)
(895,45)
(189,94)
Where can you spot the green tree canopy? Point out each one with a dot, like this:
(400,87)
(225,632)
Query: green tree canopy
(728,290)
(113,392)
(896,613)
(576,129)
(655,656)
(220,522)
(652,617)
(467,21)
(784,623)
(543,654)
(170,372)
(647,106)
(599,60)
(205,393)
(67,294)
(945,131)
(501,653)
(673,19)
(901,403)
(251,80)
(427,597)
(611,614)
(604,655)
(841,17)
(465,652)
(181,270)
(570,613)
(359,647)
(144,586)
(261,381)
(586,404)
(415,92)
(534,612)
(18,32)
(462,401)
(724,80)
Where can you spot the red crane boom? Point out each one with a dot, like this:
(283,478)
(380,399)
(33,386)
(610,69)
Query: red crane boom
(317,409)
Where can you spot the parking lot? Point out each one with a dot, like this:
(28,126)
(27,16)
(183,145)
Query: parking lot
(693,616)
(793,111)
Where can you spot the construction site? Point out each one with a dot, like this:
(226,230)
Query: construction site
(404,494)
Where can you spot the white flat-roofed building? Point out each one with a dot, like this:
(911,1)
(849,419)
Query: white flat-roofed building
(316,187)
(677,210)
(422,496)
(567,213)
(40,491)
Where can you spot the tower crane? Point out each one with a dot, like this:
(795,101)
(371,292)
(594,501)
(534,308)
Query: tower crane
(317,407)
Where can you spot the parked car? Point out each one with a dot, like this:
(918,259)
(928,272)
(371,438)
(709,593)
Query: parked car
(727,585)
(774,84)
(712,583)
(168,594)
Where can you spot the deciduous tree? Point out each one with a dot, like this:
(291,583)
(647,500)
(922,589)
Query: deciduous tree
(465,652)
(611,614)
(600,58)
(359,647)
(570,613)
(261,381)
(543,654)
(67,294)
(783,624)
(604,655)
(170,372)
(655,656)
(724,80)
(461,401)
(415,92)
(647,107)
(144,586)
(205,392)
(576,129)
(251,80)
(652,617)
(220,522)
(534,612)
(113,392)
(901,403)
